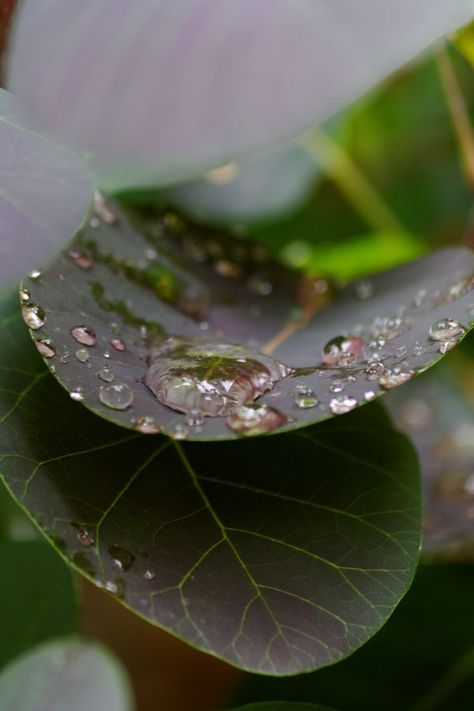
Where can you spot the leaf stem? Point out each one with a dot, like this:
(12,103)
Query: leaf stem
(458,110)
(355,185)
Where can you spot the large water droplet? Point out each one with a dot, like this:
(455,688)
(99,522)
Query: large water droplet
(446,329)
(34,316)
(342,403)
(395,377)
(45,347)
(83,335)
(117,396)
(255,419)
(212,378)
(343,350)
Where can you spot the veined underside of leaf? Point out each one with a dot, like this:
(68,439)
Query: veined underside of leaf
(154,323)
(279,555)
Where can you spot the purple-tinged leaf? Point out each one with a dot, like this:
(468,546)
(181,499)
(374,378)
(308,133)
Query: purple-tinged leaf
(45,194)
(159,325)
(160,92)
(280,555)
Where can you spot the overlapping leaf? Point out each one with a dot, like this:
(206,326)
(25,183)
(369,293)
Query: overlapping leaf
(45,194)
(102,314)
(279,555)
(163,91)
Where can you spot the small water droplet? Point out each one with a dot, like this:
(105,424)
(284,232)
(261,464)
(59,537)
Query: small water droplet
(195,418)
(377,349)
(122,559)
(149,575)
(34,316)
(118,345)
(83,335)
(390,327)
(401,351)
(305,397)
(254,419)
(337,386)
(82,355)
(77,394)
(106,354)
(418,351)
(179,432)
(364,289)
(147,425)
(395,377)
(446,329)
(446,346)
(106,374)
(342,404)
(343,350)
(117,396)
(111,587)
(369,395)
(24,295)
(85,538)
(34,274)
(80,260)
(375,370)
(102,210)
(45,347)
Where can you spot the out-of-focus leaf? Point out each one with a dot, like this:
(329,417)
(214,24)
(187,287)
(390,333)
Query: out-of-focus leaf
(163,91)
(45,194)
(439,418)
(66,674)
(103,315)
(37,597)
(464,41)
(264,185)
(277,554)
(422,659)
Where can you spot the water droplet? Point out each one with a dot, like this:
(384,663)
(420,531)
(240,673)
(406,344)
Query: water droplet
(255,419)
(418,351)
(121,558)
(83,335)
(446,346)
(305,397)
(24,295)
(102,210)
(77,394)
(117,396)
(118,345)
(149,575)
(147,425)
(377,350)
(82,355)
(195,418)
(45,347)
(401,351)
(106,374)
(364,289)
(342,404)
(375,370)
(85,538)
(369,395)
(34,274)
(343,350)
(34,316)
(111,587)
(212,378)
(337,386)
(179,432)
(390,328)
(446,329)
(395,377)
(80,260)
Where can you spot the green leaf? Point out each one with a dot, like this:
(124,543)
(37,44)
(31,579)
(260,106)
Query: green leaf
(37,597)
(422,660)
(66,674)
(279,555)
(45,194)
(158,305)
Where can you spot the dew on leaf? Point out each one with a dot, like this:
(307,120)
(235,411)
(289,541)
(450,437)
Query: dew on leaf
(117,396)
(342,404)
(34,316)
(77,394)
(83,335)
(209,377)
(149,575)
(195,418)
(179,432)
(395,377)
(118,345)
(122,559)
(337,386)
(24,295)
(102,210)
(82,355)
(106,374)
(305,397)
(375,370)
(85,538)
(254,419)
(342,350)
(446,329)
(390,328)
(45,347)
(34,274)
(446,346)
(80,259)
(147,425)
(369,395)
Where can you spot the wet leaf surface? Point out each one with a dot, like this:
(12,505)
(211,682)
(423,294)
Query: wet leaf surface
(139,321)
(279,555)
(37,597)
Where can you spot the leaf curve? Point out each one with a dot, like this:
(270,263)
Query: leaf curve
(193,84)
(139,301)
(45,194)
(278,555)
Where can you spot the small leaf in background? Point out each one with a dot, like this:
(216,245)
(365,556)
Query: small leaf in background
(437,413)
(158,324)
(279,555)
(262,186)
(422,660)
(179,88)
(65,674)
(37,597)
(45,194)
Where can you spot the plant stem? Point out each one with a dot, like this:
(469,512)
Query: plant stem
(458,110)
(355,185)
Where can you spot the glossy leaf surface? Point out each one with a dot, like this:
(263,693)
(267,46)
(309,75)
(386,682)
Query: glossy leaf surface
(103,315)
(278,554)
